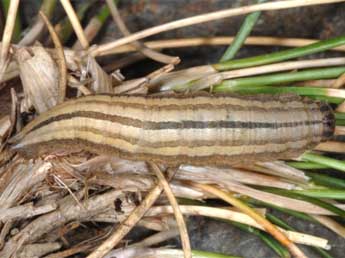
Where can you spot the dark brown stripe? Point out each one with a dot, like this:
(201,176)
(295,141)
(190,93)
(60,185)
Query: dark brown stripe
(148,125)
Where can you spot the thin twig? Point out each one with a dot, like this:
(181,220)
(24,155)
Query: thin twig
(61,61)
(73,17)
(138,45)
(206,18)
(177,212)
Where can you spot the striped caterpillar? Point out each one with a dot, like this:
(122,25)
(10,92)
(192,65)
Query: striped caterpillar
(194,129)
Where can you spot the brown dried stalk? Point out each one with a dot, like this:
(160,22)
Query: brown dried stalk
(61,61)
(128,224)
(73,17)
(177,212)
(207,17)
(139,46)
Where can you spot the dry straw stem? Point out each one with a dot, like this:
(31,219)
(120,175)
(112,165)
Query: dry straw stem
(177,212)
(208,17)
(331,146)
(25,211)
(217,78)
(331,224)
(7,35)
(128,224)
(339,130)
(157,238)
(60,59)
(339,82)
(137,45)
(73,17)
(279,168)
(47,7)
(268,226)
(228,214)
(215,41)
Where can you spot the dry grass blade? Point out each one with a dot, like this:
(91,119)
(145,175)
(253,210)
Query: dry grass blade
(73,17)
(7,36)
(128,224)
(215,41)
(178,215)
(228,214)
(331,146)
(139,46)
(276,233)
(339,82)
(157,238)
(208,17)
(61,58)
(331,224)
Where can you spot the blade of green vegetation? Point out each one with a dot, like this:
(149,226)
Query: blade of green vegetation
(103,13)
(305,165)
(242,34)
(280,78)
(281,55)
(266,238)
(326,180)
(65,29)
(204,254)
(312,92)
(322,160)
(322,193)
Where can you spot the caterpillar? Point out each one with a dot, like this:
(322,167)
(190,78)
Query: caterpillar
(176,129)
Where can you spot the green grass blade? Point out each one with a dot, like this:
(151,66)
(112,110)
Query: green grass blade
(326,180)
(322,160)
(305,165)
(335,194)
(242,34)
(281,55)
(286,77)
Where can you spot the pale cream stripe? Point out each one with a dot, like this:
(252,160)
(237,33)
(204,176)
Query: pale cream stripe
(72,106)
(202,151)
(215,101)
(187,135)
(187,115)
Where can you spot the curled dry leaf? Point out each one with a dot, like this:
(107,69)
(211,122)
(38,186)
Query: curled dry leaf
(39,76)
(101,80)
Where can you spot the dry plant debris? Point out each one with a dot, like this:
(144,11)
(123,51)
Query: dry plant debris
(47,204)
